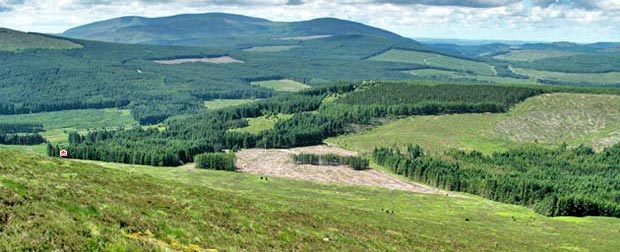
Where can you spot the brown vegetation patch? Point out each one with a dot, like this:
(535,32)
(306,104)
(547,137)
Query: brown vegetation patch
(278,163)
(214,60)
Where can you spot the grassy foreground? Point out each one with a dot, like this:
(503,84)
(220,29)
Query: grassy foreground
(54,204)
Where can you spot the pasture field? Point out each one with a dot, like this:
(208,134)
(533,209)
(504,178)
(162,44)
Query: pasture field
(531,55)
(550,119)
(259,124)
(138,208)
(40,149)
(13,41)
(282,85)
(435,60)
(277,48)
(57,124)
(435,74)
(224,103)
(573,78)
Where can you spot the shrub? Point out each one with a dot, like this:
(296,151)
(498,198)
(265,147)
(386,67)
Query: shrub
(216,161)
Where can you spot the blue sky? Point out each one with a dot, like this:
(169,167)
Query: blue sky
(539,20)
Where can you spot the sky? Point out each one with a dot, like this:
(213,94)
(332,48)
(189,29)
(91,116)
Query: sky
(581,21)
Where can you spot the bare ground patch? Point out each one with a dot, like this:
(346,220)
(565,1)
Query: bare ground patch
(278,163)
(213,60)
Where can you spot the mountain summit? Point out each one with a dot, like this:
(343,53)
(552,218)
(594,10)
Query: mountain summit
(218,29)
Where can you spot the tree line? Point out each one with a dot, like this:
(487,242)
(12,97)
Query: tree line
(216,161)
(19,139)
(11,128)
(357,163)
(554,182)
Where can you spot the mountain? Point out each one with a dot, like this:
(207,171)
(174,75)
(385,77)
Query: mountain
(11,40)
(219,29)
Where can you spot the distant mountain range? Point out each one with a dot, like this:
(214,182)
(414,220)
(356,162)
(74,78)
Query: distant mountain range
(220,30)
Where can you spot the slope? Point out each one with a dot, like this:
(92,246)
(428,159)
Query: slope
(53,204)
(12,41)
(219,30)
(549,119)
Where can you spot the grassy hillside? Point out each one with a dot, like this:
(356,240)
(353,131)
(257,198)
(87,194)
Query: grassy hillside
(262,123)
(224,103)
(270,48)
(435,60)
(16,41)
(611,78)
(435,74)
(57,124)
(549,119)
(92,208)
(281,85)
(530,55)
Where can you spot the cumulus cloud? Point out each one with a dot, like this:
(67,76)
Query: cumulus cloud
(575,20)
(463,3)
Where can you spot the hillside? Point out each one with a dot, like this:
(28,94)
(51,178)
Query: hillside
(12,41)
(219,30)
(92,208)
(548,120)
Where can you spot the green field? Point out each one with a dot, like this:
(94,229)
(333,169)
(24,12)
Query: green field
(270,48)
(435,74)
(139,208)
(262,123)
(282,85)
(435,60)
(531,55)
(57,124)
(223,103)
(16,41)
(551,119)
(574,78)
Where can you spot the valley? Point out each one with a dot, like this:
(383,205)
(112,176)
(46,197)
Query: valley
(225,132)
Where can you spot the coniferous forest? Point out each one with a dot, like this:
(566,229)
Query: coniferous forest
(555,182)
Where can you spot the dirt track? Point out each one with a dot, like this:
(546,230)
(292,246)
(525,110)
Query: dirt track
(278,163)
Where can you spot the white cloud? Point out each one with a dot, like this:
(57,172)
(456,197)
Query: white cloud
(506,19)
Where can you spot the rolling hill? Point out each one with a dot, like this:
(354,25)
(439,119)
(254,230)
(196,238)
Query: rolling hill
(219,30)
(76,206)
(547,120)
(12,41)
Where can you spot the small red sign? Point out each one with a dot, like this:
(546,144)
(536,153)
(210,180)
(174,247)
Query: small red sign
(63,153)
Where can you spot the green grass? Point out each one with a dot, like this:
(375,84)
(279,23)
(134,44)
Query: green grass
(40,149)
(13,41)
(576,78)
(435,60)
(262,123)
(548,120)
(531,55)
(451,75)
(270,48)
(53,204)
(282,85)
(224,103)
(57,124)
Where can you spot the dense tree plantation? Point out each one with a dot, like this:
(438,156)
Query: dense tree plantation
(598,62)
(20,139)
(313,120)
(554,182)
(356,163)
(11,128)
(104,75)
